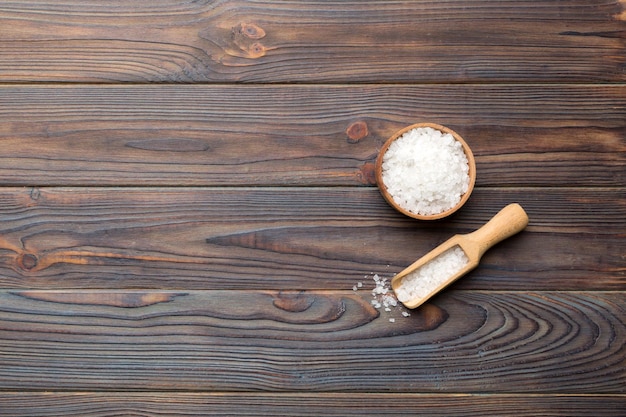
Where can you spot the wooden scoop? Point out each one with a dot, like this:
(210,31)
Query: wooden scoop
(509,221)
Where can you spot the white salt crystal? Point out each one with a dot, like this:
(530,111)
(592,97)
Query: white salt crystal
(421,282)
(392,320)
(359,284)
(383,297)
(390,300)
(426,171)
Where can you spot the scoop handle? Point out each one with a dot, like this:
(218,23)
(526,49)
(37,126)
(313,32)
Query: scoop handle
(509,221)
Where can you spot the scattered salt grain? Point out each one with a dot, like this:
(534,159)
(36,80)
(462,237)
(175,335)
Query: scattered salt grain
(383,298)
(426,279)
(392,320)
(426,171)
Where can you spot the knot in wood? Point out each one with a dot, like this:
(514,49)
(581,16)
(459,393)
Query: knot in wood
(294,302)
(35,193)
(27,261)
(251,30)
(367,174)
(256,50)
(357,131)
(245,38)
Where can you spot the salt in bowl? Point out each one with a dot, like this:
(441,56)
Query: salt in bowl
(430,177)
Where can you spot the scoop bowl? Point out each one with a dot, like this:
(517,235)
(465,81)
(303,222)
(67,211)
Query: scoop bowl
(507,222)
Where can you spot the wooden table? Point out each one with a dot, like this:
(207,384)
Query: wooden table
(187,201)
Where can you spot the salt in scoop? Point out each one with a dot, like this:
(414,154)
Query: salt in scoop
(455,257)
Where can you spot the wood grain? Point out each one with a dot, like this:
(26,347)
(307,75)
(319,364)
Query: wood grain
(187,198)
(529,135)
(312,341)
(293,238)
(272,41)
(163,404)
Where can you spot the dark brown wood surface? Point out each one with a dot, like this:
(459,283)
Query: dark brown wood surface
(293,238)
(187,200)
(294,41)
(90,404)
(303,135)
(312,341)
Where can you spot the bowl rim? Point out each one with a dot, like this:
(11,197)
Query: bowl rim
(383,188)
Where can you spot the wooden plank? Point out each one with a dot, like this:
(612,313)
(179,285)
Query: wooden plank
(294,238)
(543,135)
(277,41)
(163,404)
(312,341)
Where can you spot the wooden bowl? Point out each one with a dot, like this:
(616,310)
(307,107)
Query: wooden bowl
(383,188)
